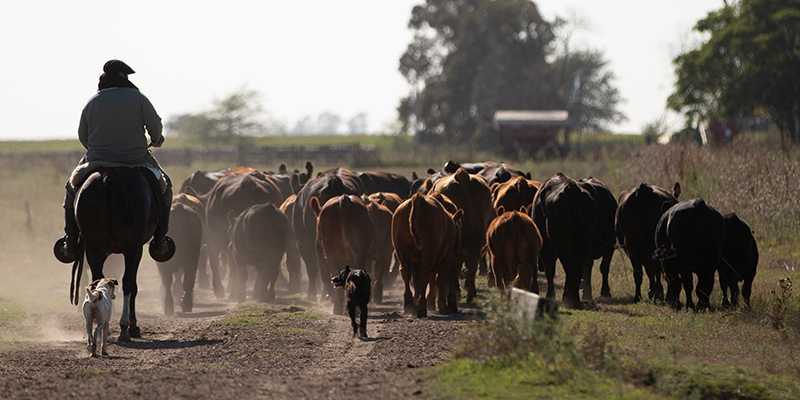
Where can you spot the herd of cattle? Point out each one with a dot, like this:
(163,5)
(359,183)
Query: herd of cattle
(439,228)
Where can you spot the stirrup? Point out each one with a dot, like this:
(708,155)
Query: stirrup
(158,254)
(61,253)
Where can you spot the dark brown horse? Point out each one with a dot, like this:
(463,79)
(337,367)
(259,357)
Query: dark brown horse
(117,212)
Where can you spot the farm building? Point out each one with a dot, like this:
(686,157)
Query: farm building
(532,130)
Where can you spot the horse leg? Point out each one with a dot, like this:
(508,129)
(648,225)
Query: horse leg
(127,322)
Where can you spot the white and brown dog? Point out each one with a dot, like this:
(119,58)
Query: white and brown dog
(97,309)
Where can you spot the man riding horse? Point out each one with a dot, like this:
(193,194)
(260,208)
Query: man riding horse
(112,129)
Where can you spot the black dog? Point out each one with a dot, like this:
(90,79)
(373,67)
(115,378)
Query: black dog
(357,287)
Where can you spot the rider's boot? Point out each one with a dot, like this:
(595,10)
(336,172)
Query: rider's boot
(160,235)
(70,248)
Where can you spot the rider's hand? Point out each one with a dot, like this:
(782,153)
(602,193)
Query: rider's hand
(158,143)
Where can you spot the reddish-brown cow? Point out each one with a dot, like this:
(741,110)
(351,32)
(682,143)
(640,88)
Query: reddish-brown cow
(344,236)
(514,244)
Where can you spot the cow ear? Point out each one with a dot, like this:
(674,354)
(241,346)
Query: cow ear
(676,190)
(528,175)
(457,216)
(314,204)
(282,168)
(523,210)
(414,175)
(494,187)
(428,185)
(430,171)
(500,210)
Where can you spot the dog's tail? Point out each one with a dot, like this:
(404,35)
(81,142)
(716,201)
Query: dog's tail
(93,296)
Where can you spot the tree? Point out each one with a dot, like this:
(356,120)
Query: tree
(357,124)
(238,115)
(750,64)
(470,58)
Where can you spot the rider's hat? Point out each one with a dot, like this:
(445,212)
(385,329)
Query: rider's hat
(116,66)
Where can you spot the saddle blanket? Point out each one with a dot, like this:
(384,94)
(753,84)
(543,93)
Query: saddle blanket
(83,170)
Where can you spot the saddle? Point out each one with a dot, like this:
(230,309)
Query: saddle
(83,170)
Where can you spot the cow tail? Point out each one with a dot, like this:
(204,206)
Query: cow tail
(665,251)
(415,202)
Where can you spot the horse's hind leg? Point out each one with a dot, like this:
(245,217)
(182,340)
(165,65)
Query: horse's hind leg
(127,323)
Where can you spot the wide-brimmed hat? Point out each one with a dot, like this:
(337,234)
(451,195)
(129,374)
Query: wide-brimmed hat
(116,66)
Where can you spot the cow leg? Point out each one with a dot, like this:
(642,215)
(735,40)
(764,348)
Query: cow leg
(586,280)
(165,271)
(654,271)
(381,270)
(688,284)
(605,268)
(747,286)
(548,264)
(638,272)
(189,275)
(734,294)
(723,286)
(420,285)
(430,304)
(214,253)
(472,269)
(705,284)
(408,298)
(498,273)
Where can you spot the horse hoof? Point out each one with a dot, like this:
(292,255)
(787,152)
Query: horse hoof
(124,338)
(136,332)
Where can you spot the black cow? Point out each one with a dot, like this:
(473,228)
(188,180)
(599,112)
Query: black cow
(638,213)
(739,260)
(375,182)
(566,215)
(604,240)
(258,238)
(186,229)
(690,238)
(501,172)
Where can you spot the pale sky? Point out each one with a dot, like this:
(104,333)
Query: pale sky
(305,57)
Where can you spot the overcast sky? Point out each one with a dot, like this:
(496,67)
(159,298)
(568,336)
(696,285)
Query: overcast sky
(305,57)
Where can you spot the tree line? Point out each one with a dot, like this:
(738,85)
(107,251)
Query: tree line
(469,58)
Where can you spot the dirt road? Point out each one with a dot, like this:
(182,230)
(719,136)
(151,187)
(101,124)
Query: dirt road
(192,355)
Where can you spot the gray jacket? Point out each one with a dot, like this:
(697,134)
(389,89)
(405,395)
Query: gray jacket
(113,123)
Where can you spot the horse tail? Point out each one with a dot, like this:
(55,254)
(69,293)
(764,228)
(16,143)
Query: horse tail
(77,269)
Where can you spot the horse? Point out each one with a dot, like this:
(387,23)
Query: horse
(117,212)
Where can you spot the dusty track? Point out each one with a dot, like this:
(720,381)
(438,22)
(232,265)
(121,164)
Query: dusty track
(191,356)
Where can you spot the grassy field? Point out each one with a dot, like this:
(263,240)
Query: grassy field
(615,349)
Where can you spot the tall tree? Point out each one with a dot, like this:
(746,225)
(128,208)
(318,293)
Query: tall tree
(238,115)
(470,58)
(749,64)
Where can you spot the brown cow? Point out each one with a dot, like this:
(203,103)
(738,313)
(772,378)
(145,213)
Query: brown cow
(292,253)
(514,194)
(424,237)
(233,193)
(330,184)
(637,215)
(381,249)
(258,238)
(390,200)
(344,236)
(471,194)
(514,244)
